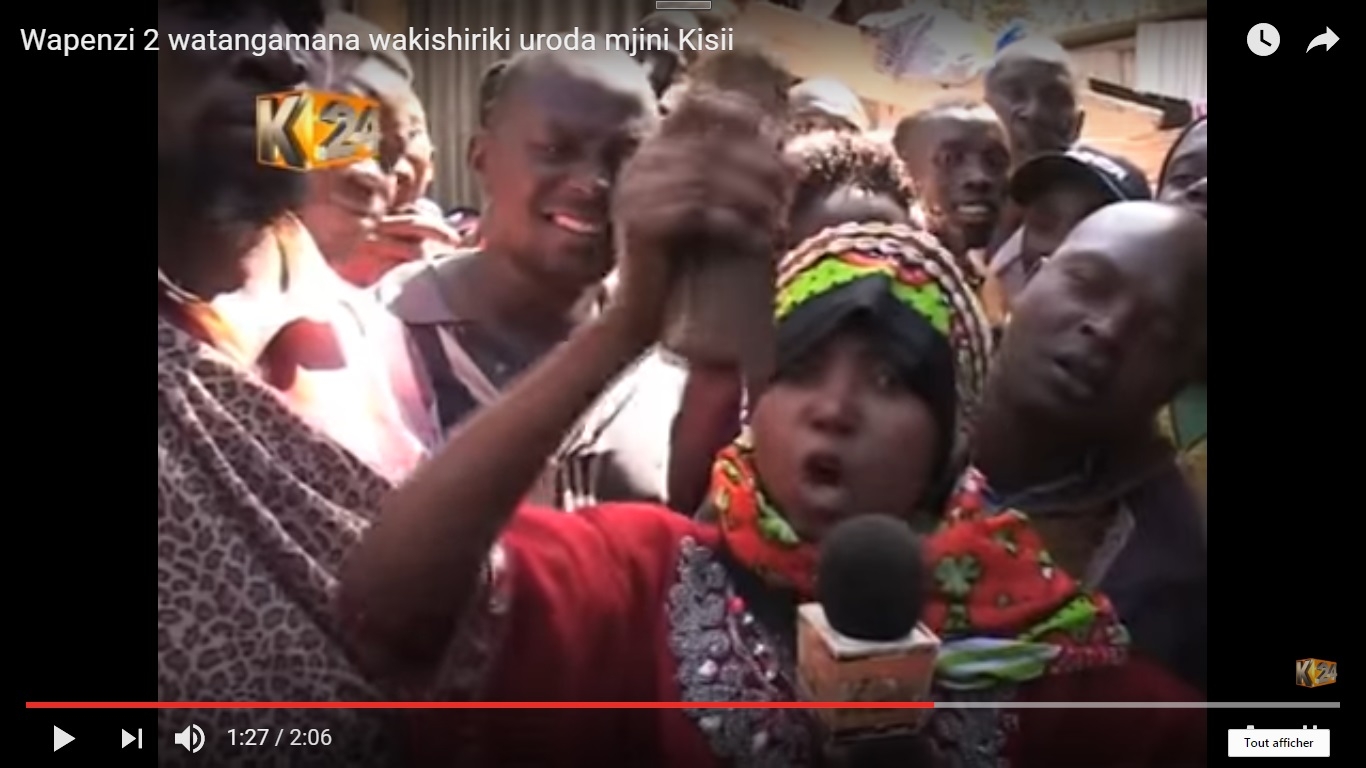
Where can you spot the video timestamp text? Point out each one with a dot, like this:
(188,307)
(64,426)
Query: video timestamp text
(279,737)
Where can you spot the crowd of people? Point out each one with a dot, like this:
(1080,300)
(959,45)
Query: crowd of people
(414,453)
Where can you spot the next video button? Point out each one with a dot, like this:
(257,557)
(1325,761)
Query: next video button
(1308,741)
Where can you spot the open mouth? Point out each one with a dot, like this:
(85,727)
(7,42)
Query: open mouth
(823,470)
(975,213)
(577,225)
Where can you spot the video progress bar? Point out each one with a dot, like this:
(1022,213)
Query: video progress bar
(1138,705)
(685,705)
(682,5)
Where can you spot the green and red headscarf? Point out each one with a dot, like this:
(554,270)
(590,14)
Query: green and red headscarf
(1004,609)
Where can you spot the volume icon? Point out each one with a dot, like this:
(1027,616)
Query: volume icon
(192,738)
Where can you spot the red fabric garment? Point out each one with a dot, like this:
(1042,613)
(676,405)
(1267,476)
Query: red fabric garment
(587,609)
(586,596)
(992,576)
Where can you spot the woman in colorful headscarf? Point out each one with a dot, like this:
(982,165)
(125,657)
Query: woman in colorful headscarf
(841,177)
(882,350)
(1184,181)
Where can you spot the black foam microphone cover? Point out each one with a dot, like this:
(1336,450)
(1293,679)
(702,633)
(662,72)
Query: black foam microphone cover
(870,578)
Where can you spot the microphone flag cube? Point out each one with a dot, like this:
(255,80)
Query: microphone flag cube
(835,668)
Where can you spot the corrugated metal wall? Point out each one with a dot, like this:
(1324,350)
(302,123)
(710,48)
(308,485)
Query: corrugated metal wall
(448,83)
(1172,59)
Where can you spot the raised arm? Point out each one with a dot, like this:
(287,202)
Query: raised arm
(406,584)
(707,420)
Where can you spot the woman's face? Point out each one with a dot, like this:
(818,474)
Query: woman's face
(839,434)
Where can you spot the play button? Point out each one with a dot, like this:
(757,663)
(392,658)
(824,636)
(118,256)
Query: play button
(60,738)
(128,738)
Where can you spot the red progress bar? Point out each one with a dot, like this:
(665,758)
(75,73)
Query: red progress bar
(472,705)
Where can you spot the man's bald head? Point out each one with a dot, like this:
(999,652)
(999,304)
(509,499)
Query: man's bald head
(1152,235)
(1166,245)
(1115,323)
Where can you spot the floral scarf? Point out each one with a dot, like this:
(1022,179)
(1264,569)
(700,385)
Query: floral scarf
(756,533)
(1185,423)
(1005,611)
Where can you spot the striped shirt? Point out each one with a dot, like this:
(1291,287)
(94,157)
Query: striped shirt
(619,449)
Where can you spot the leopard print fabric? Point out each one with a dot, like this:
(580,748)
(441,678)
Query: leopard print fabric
(255,511)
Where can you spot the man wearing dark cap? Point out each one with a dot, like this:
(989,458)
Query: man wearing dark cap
(1033,86)
(1056,190)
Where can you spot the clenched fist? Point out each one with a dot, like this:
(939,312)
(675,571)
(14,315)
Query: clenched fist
(712,182)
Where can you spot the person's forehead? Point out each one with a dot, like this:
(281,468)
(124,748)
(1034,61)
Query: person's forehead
(965,124)
(854,339)
(852,202)
(1195,142)
(1155,260)
(1029,70)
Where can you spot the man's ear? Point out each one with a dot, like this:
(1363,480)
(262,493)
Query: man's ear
(476,152)
(1076,130)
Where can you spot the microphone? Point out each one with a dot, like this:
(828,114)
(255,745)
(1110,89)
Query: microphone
(863,641)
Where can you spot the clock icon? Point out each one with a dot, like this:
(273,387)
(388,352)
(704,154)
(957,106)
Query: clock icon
(1263,39)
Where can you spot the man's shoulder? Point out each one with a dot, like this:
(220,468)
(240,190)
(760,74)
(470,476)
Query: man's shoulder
(413,291)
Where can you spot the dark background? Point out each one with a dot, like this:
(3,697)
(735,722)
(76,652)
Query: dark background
(1277,586)
(82,166)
